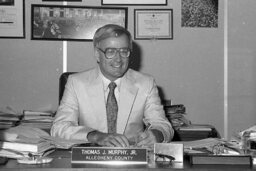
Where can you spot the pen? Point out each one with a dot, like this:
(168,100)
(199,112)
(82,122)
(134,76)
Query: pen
(147,127)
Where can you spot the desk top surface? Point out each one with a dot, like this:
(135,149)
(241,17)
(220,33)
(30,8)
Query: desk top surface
(62,161)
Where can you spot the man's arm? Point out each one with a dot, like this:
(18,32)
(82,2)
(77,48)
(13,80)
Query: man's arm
(65,124)
(154,114)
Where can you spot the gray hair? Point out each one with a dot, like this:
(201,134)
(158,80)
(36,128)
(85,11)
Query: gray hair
(111,30)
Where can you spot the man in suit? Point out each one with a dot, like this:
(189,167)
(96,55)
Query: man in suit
(87,113)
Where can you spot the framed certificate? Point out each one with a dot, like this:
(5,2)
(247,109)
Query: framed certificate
(12,19)
(134,2)
(153,24)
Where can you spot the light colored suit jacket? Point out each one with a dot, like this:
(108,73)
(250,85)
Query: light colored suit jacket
(82,108)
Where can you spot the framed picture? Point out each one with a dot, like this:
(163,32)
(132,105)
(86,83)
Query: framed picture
(12,19)
(134,2)
(153,24)
(64,0)
(77,23)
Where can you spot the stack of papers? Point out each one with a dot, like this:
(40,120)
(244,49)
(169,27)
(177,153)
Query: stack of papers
(24,142)
(9,117)
(37,119)
(24,149)
(207,146)
(8,120)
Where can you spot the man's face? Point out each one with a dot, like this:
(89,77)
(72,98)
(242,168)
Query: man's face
(117,66)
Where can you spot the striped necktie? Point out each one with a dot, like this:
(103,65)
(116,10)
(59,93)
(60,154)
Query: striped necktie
(112,108)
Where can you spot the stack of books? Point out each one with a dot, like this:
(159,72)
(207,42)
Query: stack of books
(37,119)
(24,142)
(8,120)
(19,150)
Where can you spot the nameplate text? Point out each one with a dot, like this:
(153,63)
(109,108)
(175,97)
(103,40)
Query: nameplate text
(109,155)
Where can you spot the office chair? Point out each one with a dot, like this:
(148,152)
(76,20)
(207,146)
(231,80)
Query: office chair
(62,82)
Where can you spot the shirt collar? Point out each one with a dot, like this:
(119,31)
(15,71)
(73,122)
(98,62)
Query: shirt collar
(106,82)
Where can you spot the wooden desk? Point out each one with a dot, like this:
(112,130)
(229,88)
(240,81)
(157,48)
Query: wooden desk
(62,161)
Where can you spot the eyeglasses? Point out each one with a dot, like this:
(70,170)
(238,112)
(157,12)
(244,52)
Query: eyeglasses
(111,52)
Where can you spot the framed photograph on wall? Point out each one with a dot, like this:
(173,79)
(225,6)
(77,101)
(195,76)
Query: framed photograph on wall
(153,24)
(12,19)
(74,23)
(134,2)
(64,0)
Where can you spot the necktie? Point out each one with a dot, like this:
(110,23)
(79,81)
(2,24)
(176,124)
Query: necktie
(112,108)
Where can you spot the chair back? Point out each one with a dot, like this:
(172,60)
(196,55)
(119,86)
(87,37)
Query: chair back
(62,82)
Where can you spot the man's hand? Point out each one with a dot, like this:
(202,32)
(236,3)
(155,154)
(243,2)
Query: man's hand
(109,140)
(149,138)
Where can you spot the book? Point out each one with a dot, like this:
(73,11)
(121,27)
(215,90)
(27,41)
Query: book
(9,118)
(195,127)
(33,147)
(221,159)
(38,118)
(38,113)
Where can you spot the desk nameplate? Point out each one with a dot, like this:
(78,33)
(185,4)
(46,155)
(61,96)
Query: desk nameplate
(109,155)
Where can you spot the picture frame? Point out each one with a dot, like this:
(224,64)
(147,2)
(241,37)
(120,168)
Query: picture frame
(153,24)
(12,19)
(63,0)
(72,23)
(134,2)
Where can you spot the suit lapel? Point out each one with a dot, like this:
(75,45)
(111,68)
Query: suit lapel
(128,94)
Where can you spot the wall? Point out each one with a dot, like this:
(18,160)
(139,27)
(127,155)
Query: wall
(188,69)
(242,65)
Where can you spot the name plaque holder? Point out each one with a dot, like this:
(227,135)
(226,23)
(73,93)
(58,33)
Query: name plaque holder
(108,155)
